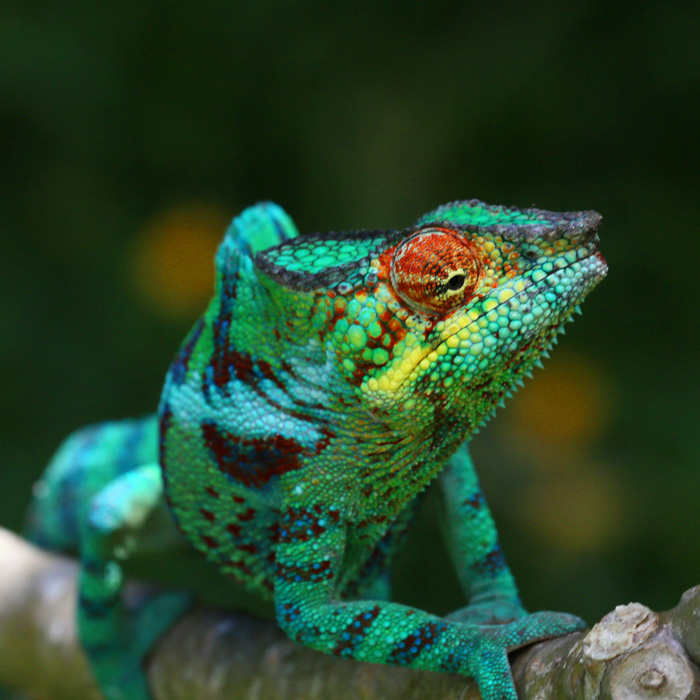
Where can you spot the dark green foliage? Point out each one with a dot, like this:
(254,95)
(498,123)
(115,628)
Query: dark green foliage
(357,115)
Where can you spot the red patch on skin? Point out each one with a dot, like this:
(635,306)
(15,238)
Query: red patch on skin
(227,359)
(241,566)
(248,515)
(356,631)
(334,515)
(255,461)
(210,542)
(207,514)
(323,443)
(318,571)
(336,312)
(269,373)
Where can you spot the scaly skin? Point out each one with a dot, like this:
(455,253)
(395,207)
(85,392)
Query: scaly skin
(331,380)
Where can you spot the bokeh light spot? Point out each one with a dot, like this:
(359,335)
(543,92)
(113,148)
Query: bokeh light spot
(172,262)
(582,512)
(569,402)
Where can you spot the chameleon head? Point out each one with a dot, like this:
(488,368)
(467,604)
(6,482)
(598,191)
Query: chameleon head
(441,319)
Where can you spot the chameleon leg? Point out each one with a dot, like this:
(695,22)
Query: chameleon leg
(386,632)
(116,639)
(472,540)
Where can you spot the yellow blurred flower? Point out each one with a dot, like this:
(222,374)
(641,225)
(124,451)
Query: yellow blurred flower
(572,499)
(172,262)
(569,402)
(579,512)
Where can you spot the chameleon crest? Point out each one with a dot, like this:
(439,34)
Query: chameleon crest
(332,378)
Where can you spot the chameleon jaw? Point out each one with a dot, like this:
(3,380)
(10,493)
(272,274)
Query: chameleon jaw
(478,330)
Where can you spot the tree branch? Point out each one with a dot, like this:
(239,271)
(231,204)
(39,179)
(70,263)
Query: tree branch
(632,653)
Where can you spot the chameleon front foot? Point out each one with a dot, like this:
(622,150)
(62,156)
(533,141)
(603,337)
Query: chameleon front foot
(486,658)
(538,626)
(525,630)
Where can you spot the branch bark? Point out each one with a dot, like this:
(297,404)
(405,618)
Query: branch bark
(631,654)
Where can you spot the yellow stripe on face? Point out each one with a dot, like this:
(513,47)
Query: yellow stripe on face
(393,382)
(467,332)
(389,383)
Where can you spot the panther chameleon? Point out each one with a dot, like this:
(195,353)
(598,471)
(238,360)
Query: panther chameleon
(331,380)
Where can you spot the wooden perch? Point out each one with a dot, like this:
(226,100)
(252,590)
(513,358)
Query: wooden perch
(631,654)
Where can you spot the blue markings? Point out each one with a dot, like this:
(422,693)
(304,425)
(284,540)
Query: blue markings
(406,651)
(492,563)
(178,369)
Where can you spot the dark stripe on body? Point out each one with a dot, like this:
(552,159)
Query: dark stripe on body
(406,651)
(311,572)
(126,459)
(180,365)
(476,501)
(70,488)
(252,461)
(491,563)
(98,607)
(353,635)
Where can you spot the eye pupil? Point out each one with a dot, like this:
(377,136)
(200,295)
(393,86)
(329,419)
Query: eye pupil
(456,282)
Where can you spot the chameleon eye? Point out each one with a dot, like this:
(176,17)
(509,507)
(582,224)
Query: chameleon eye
(435,270)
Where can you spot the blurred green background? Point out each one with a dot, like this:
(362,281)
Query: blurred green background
(133,130)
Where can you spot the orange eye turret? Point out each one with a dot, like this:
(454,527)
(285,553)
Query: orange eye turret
(435,270)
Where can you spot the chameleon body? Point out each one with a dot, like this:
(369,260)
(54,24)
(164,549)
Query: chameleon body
(332,378)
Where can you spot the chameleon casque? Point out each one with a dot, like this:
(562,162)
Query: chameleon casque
(332,378)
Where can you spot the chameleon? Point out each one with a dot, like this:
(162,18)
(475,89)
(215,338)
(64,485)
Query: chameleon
(332,379)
